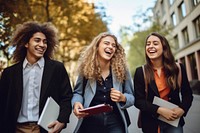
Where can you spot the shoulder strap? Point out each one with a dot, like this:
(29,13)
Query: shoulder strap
(179,75)
(145,80)
(84,84)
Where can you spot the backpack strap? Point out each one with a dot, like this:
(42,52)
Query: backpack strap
(146,87)
(179,75)
(84,84)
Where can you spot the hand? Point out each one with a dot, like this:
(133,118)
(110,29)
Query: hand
(77,107)
(168,114)
(117,96)
(179,111)
(56,127)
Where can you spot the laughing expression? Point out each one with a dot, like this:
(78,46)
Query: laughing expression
(154,48)
(107,48)
(36,47)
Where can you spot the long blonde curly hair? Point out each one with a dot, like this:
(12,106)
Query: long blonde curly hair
(89,65)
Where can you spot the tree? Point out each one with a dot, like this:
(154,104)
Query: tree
(76,21)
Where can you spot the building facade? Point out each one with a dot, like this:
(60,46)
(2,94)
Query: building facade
(183,16)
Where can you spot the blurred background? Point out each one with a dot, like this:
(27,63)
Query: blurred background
(79,21)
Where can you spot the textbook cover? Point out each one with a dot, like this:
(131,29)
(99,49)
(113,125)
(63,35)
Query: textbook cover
(97,109)
(49,113)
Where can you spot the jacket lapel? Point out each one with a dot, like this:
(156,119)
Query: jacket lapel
(47,74)
(19,84)
(154,87)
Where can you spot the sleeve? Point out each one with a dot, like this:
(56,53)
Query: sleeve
(65,92)
(141,101)
(186,92)
(128,91)
(78,91)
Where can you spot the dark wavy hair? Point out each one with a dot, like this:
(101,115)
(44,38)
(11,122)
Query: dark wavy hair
(25,31)
(170,68)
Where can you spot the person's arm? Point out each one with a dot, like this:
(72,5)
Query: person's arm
(141,101)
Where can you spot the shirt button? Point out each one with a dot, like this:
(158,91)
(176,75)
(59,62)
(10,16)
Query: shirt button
(104,96)
(104,88)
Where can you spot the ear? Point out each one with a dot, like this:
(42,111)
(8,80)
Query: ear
(26,45)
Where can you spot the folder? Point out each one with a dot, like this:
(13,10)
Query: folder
(163,103)
(49,113)
(101,108)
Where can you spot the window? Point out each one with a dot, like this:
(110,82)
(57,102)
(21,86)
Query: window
(171,2)
(195,2)
(197,26)
(182,10)
(185,35)
(173,16)
(183,61)
(176,43)
(193,66)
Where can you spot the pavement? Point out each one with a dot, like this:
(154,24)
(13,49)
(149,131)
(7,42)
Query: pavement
(192,119)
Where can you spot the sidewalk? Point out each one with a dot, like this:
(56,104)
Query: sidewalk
(192,119)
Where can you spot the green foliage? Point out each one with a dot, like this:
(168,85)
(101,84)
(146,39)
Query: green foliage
(135,43)
(76,20)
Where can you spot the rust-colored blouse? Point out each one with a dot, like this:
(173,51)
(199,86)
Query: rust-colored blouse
(161,84)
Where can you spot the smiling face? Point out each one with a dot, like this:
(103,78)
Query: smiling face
(36,47)
(106,48)
(154,48)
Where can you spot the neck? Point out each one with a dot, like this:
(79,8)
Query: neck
(31,60)
(157,64)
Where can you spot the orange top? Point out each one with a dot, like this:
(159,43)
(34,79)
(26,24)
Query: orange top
(161,84)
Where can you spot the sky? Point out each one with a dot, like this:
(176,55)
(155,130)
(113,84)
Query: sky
(122,11)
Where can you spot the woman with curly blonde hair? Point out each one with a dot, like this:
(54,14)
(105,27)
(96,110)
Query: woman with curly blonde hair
(103,78)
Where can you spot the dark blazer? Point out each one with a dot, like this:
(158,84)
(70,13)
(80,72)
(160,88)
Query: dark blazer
(55,83)
(148,110)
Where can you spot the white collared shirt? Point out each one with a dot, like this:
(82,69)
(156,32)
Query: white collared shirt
(32,77)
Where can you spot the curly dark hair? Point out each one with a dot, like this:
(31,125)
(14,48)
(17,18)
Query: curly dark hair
(25,31)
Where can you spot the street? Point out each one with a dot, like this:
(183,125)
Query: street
(192,119)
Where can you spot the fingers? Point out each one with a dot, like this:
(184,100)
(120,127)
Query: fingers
(117,96)
(77,113)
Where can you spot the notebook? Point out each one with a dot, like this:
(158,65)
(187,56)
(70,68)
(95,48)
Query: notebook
(49,113)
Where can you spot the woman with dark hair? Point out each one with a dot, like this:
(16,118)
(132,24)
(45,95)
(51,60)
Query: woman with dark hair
(102,66)
(161,79)
(26,85)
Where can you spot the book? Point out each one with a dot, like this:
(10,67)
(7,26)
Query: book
(49,113)
(101,108)
(163,103)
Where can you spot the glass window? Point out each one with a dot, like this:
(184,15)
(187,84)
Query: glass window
(197,26)
(195,2)
(185,35)
(193,66)
(183,61)
(173,16)
(182,10)
(176,43)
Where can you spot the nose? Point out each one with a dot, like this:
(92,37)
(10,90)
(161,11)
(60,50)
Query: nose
(42,43)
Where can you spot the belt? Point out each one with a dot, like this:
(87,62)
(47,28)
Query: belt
(27,123)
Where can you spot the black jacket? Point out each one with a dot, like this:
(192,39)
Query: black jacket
(55,83)
(148,110)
